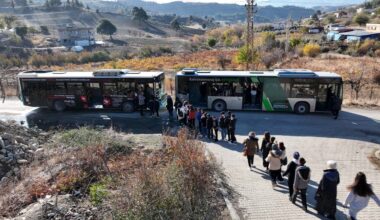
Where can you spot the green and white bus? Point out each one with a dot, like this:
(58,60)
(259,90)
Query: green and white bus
(286,90)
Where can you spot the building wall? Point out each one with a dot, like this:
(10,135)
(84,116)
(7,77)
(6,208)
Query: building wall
(373,28)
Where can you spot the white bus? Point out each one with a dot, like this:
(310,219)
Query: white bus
(295,90)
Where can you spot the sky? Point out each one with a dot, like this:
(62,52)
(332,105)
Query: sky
(304,3)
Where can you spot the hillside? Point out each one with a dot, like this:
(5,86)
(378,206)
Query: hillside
(229,12)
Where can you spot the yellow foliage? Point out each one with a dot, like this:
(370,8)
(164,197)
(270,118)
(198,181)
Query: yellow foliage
(311,50)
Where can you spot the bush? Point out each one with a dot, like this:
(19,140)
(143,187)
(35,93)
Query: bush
(98,193)
(182,189)
(211,42)
(361,19)
(294,42)
(311,50)
(367,47)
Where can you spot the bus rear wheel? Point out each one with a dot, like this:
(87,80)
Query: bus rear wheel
(302,108)
(128,107)
(219,105)
(59,106)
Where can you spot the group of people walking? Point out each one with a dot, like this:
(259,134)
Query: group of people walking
(204,123)
(298,174)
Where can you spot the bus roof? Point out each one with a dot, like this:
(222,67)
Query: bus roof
(103,74)
(283,73)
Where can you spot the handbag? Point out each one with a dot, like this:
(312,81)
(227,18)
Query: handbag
(245,152)
(284,161)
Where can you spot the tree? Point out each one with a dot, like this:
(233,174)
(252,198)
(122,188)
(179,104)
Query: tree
(9,20)
(175,24)
(331,19)
(223,61)
(139,14)
(21,31)
(106,27)
(315,17)
(247,56)
(361,19)
(211,42)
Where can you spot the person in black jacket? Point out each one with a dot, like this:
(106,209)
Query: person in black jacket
(232,128)
(228,121)
(266,147)
(336,106)
(209,125)
(215,126)
(169,105)
(222,125)
(327,191)
(290,172)
(204,124)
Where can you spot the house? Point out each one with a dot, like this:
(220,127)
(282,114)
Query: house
(315,30)
(76,36)
(360,35)
(340,14)
(373,28)
(360,10)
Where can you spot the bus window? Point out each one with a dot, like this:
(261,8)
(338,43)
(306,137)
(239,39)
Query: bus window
(75,88)
(56,88)
(303,91)
(109,89)
(126,88)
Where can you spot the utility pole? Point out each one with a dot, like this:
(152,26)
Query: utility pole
(250,6)
(287,28)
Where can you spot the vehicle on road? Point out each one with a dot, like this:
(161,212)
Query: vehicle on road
(286,90)
(101,89)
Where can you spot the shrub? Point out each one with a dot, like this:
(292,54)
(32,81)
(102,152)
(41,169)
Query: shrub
(182,189)
(294,42)
(377,53)
(367,47)
(361,19)
(98,193)
(311,50)
(211,42)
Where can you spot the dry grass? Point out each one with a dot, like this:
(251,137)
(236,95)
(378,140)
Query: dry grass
(332,63)
(177,182)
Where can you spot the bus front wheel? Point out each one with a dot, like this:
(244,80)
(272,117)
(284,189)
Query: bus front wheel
(59,106)
(302,108)
(128,107)
(219,105)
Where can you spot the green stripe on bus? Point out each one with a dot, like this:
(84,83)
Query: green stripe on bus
(266,104)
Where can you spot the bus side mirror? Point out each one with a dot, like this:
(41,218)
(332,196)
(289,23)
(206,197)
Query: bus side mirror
(160,86)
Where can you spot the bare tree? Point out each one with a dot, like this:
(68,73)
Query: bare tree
(375,82)
(357,80)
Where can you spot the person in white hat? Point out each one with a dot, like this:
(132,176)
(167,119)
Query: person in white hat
(327,191)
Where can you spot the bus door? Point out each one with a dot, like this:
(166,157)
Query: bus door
(95,96)
(195,93)
(35,93)
(325,92)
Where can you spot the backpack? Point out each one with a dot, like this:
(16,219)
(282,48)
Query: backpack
(284,161)
(180,113)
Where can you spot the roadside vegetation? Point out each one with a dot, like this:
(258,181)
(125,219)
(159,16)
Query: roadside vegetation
(119,177)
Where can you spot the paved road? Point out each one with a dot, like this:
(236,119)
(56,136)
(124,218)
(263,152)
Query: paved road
(318,138)
(46,119)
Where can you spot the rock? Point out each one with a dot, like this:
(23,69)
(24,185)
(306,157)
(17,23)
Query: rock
(377,154)
(2,144)
(22,161)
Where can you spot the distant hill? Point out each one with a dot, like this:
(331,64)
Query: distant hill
(228,12)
